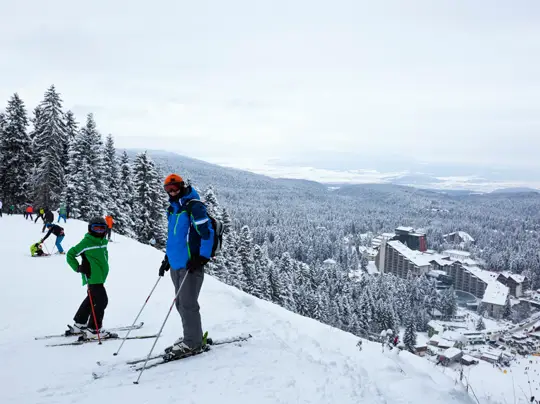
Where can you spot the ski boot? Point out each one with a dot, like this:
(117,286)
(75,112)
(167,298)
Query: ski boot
(75,329)
(205,341)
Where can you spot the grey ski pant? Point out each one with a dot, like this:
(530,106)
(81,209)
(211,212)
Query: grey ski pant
(187,304)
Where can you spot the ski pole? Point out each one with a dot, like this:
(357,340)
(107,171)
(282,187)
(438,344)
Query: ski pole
(136,318)
(93,311)
(161,329)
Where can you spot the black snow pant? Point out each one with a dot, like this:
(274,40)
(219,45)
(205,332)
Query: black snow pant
(38,216)
(0,212)
(100,300)
(187,304)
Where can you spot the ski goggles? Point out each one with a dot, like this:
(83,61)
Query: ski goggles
(98,228)
(174,187)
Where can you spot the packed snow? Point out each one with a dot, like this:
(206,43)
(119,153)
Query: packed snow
(290,359)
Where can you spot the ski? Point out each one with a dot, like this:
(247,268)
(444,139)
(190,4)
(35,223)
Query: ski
(71,334)
(85,341)
(168,357)
(210,341)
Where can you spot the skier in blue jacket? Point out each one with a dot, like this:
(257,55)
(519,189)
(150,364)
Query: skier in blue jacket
(189,246)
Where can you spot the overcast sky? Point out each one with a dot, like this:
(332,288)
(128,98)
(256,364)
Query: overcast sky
(448,81)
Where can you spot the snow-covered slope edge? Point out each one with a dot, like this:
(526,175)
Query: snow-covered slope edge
(291,359)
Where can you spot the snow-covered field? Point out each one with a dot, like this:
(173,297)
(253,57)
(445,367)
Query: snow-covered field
(290,359)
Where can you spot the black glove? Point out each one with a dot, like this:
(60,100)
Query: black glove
(196,262)
(84,269)
(165,266)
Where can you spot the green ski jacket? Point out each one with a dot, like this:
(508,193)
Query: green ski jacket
(93,251)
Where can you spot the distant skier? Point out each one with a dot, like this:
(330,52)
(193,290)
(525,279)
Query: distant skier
(36,250)
(11,210)
(58,232)
(110,223)
(48,218)
(187,260)
(1,208)
(396,340)
(62,213)
(40,214)
(94,268)
(28,213)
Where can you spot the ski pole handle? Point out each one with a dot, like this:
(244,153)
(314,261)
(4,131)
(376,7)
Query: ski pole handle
(136,318)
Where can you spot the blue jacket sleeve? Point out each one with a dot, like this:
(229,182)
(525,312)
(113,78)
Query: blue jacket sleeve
(203,226)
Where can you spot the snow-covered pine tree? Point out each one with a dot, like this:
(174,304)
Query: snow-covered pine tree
(245,252)
(94,157)
(149,202)
(211,202)
(364,313)
(286,272)
(113,187)
(448,303)
(480,325)
(72,128)
(35,120)
(49,143)
(125,196)
(409,339)
(15,150)
(86,205)
(260,262)
(83,194)
(2,129)
(227,222)
(507,311)
(73,193)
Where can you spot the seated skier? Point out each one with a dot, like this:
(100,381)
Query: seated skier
(36,250)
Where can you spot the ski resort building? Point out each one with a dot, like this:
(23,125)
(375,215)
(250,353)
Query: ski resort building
(459,237)
(396,258)
(516,283)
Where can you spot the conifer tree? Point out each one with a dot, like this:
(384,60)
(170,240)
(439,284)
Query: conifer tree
(72,127)
(15,151)
(246,258)
(409,339)
(149,202)
(260,262)
(507,311)
(112,184)
(125,196)
(480,325)
(85,180)
(50,139)
(364,313)
(211,202)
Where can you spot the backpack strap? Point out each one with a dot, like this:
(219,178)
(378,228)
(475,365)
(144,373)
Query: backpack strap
(188,205)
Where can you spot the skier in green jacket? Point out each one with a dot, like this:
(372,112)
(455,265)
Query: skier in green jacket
(94,269)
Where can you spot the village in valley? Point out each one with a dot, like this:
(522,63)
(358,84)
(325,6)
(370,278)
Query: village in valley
(492,343)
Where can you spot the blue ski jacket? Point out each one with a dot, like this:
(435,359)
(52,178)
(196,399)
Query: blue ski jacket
(188,234)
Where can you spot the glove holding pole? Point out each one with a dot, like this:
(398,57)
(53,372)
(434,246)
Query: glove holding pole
(165,266)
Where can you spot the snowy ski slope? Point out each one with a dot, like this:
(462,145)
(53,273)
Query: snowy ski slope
(290,359)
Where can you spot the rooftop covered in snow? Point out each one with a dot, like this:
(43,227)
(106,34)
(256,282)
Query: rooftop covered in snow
(496,293)
(416,257)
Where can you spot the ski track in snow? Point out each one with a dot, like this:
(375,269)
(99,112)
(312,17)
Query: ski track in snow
(290,359)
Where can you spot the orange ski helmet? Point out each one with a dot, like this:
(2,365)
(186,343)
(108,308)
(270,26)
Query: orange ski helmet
(173,180)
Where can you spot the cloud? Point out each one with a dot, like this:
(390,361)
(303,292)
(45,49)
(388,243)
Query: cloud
(423,80)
